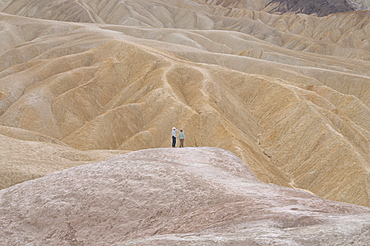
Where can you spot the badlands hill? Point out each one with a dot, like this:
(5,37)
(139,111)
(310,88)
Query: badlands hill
(188,196)
(287,93)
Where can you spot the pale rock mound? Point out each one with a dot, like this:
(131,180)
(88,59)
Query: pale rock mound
(189,196)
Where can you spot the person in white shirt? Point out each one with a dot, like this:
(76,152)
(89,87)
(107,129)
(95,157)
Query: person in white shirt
(174,130)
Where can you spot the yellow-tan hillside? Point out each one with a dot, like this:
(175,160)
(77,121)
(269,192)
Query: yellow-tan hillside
(287,93)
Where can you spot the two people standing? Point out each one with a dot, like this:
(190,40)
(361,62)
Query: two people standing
(181,137)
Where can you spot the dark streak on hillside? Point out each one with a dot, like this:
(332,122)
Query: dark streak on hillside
(318,7)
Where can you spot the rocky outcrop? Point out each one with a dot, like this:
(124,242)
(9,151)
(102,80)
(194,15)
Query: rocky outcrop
(189,196)
(359,4)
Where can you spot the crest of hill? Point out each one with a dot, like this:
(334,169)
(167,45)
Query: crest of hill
(191,196)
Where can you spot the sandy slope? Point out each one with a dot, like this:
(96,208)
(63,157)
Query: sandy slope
(192,196)
(289,94)
(27,155)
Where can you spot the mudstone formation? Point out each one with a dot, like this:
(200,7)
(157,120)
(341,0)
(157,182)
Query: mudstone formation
(282,85)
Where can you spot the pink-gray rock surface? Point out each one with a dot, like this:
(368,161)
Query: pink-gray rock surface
(189,196)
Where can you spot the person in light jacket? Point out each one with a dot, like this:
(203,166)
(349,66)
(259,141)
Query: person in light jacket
(174,130)
(182,138)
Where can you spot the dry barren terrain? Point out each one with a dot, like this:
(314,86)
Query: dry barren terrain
(287,92)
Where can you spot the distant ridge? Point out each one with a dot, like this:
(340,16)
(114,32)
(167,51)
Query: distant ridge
(318,7)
